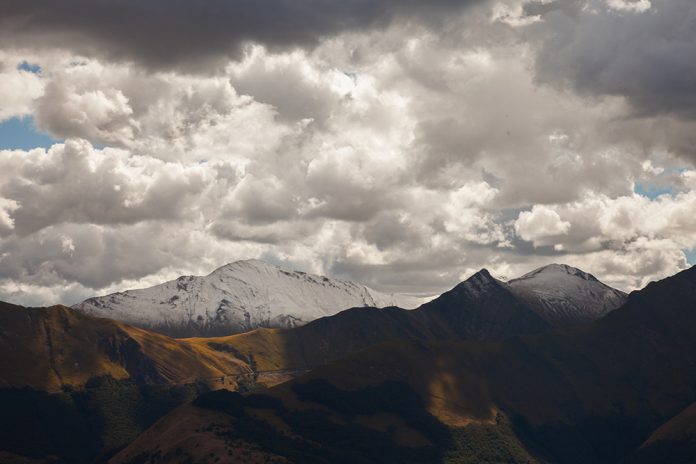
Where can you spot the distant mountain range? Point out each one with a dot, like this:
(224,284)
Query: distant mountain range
(245,295)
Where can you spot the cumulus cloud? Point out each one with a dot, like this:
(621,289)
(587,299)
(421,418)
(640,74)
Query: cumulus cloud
(74,183)
(640,238)
(541,225)
(69,108)
(93,256)
(165,115)
(291,83)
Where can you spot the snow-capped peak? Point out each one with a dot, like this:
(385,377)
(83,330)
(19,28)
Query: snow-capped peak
(245,264)
(565,295)
(558,270)
(237,297)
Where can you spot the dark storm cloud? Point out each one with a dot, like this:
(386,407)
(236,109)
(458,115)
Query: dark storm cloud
(647,56)
(164,33)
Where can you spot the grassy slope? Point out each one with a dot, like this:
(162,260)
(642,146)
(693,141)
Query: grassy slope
(52,348)
(80,388)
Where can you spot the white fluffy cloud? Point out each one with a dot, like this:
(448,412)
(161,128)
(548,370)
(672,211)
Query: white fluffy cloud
(630,239)
(74,183)
(598,222)
(636,6)
(541,225)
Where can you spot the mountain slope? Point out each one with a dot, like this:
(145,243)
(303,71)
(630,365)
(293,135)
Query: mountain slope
(76,389)
(236,298)
(55,348)
(480,308)
(594,394)
(52,348)
(66,347)
(565,296)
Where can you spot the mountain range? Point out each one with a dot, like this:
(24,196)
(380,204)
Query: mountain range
(69,346)
(245,295)
(552,367)
(480,308)
(620,390)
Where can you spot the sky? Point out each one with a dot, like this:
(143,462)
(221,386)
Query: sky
(401,144)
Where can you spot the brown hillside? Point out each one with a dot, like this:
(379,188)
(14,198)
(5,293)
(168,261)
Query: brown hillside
(49,348)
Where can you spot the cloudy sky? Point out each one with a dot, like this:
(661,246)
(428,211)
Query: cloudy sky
(400,143)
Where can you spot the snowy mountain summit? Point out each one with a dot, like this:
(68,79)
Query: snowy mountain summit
(238,297)
(566,296)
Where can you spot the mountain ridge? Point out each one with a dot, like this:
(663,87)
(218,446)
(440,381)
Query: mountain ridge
(249,294)
(238,297)
(479,308)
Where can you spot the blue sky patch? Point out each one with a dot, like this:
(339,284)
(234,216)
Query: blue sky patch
(652,191)
(691,256)
(21,134)
(29,67)
(661,184)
